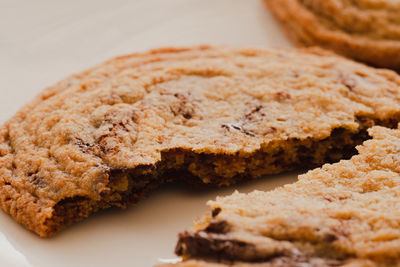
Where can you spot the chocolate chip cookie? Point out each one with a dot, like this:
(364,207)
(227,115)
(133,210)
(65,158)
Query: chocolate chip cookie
(343,214)
(209,115)
(365,30)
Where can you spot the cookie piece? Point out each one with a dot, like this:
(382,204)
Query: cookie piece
(276,262)
(343,214)
(365,30)
(213,115)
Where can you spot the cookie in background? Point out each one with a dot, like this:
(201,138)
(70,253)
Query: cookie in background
(365,30)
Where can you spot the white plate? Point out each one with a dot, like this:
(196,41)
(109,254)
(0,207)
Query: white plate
(43,41)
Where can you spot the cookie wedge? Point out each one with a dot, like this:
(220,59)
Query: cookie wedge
(342,214)
(204,115)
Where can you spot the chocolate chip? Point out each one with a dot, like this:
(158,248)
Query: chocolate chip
(238,127)
(119,125)
(234,126)
(249,133)
(219,227)
(231,126)
(83,146)
(184,106)
(215,212)
(226,126)
(211,245)
(254,112)
(330,237)
(335,234)
(220,248)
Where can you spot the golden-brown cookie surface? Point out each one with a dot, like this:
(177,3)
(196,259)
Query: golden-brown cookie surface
(106,136)
(365,30)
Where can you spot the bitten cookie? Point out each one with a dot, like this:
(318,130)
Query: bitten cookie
(213,115)
(344,214)
(365,30)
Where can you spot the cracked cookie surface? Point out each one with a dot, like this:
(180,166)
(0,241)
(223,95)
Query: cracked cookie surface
(213,115)
(365,30)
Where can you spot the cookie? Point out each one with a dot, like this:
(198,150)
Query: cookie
(206,115)
(365,30)
(342,214)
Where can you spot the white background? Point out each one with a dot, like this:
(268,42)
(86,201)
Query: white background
(43,41)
